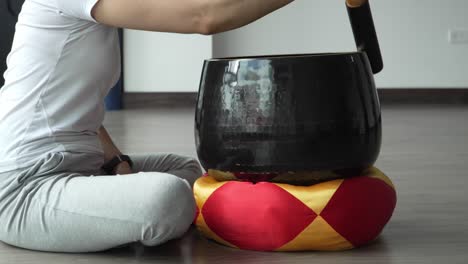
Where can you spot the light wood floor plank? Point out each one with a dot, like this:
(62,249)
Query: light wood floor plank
(424,151)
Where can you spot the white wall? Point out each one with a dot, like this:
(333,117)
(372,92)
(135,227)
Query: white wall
(164,62)
(413,36)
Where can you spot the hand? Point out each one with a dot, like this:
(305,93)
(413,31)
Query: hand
(123,168)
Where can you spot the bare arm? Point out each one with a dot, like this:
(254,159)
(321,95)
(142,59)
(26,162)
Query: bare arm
(111,150)
(183,16)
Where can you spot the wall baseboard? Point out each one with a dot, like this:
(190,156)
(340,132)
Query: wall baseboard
(387,96)
(424,96)
(155,100)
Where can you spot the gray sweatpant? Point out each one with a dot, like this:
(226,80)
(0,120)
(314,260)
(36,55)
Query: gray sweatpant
(60,204)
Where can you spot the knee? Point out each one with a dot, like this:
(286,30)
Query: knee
(194,166)
(169,212)
(189,169)
(189,163)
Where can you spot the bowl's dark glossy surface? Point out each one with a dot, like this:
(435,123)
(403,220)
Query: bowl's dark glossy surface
(288,113)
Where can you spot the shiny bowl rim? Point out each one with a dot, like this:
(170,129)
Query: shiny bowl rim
(284,56)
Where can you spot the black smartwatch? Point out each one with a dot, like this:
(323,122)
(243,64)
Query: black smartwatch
(109,166)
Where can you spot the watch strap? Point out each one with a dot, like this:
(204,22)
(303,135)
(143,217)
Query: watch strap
(109,166)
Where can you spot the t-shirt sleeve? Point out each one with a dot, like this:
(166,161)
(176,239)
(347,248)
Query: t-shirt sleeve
(77,8)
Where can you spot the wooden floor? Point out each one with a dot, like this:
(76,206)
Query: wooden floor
(425,152)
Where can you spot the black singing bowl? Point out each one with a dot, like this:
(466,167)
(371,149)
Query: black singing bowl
(289,112)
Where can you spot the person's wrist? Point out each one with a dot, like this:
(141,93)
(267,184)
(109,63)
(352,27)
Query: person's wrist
(108,156)
(124,166)
(118,163)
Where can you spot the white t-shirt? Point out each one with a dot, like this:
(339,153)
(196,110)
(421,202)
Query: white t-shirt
(61,67)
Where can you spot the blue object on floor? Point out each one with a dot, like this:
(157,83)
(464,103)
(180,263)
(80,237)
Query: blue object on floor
(113,99)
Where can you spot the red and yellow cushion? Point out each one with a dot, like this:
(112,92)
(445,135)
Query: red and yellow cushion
(294,178)
(333,215)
